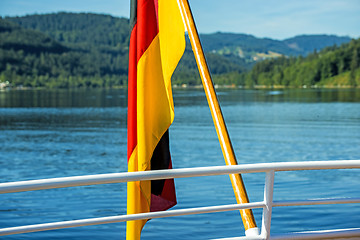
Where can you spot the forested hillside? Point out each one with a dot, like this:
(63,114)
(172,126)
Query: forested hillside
(84,30)
(66,50)
(32,58)
(92,52)
(331,67)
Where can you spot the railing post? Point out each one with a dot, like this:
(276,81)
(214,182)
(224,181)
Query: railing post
(268,200)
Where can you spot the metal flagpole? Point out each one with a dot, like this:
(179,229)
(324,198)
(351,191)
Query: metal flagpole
(224,139)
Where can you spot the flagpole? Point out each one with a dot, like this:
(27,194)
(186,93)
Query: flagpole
(224,139)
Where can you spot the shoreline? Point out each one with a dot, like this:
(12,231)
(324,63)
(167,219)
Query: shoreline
(185,86)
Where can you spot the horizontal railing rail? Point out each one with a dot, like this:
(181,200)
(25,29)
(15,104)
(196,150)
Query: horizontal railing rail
(267,204)
(31,185)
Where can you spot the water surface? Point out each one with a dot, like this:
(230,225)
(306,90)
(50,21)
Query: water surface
(47,134)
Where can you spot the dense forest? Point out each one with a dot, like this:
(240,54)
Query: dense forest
(331,67)
(72,54)
(80,50)
(67,50)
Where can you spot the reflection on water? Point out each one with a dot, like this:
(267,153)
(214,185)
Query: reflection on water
(64,98)
(118,97)
(64,133)
(292,95)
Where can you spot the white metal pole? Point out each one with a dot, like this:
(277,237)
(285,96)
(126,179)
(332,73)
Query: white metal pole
(268,200)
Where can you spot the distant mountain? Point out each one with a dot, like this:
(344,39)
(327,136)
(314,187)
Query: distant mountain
(112,33)
(308,43)
(254,49)
(105,39)
(84,49)
(243,45)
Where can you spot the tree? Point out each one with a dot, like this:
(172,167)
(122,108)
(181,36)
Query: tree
(354,65)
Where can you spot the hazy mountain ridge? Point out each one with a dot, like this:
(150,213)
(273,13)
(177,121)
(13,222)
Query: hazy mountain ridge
(307,43)
(251,47)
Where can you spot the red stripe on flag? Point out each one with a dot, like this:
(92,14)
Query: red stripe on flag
(142,34)
(132,126)
(147,25)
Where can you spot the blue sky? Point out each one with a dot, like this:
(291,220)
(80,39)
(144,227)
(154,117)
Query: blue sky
(278,19)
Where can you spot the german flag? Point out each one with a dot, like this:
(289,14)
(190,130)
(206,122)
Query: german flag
(157,43)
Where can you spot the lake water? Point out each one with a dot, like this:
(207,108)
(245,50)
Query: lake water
(46,134)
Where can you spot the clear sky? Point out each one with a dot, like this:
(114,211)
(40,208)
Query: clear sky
(277,19)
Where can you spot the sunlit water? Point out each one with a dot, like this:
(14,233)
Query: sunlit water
(46,134)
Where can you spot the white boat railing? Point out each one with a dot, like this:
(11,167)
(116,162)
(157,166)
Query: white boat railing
(267,204)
